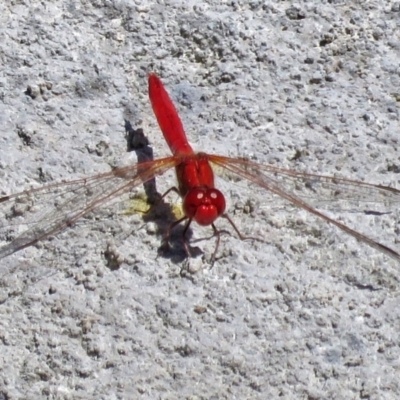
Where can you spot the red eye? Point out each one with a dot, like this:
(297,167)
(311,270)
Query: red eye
(204,205)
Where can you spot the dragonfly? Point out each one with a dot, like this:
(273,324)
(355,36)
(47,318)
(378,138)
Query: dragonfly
(202,202)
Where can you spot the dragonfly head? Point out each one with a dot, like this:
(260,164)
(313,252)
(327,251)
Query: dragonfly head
(204,205)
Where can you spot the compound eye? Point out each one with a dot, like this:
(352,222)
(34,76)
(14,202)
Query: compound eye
(204,205)
(218,200)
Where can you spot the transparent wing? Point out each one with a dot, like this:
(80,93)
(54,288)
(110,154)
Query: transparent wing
(74,199)
(310,190)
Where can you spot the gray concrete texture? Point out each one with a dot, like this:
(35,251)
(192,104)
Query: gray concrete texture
(100,311)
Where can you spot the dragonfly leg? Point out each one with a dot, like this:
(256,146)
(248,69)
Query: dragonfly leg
(185,242)
(159,200)
(241,236)
(217,233)
(172,226)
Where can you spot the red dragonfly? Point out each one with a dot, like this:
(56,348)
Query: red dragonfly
(202,202)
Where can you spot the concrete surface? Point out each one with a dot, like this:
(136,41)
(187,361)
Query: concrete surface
(98,312)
